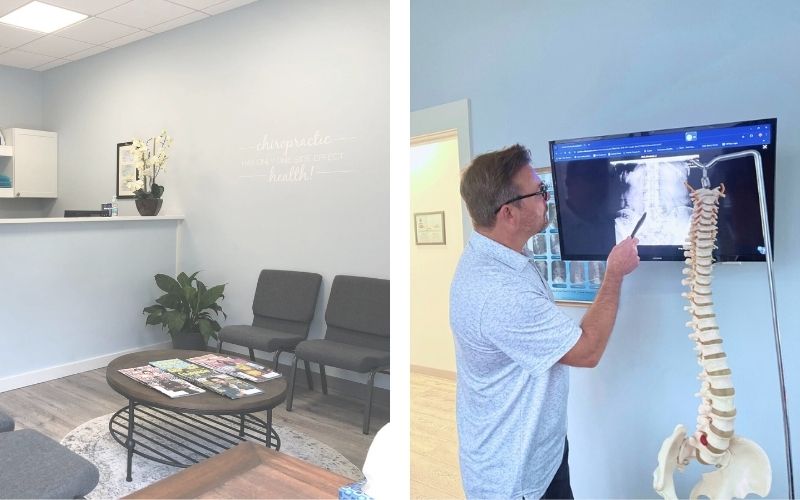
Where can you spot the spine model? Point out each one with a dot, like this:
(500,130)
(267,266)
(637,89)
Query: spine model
(716,412)
(740,466)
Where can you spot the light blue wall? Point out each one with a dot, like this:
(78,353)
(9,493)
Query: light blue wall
(21,94)
(536,71)
(21,107)
(74,293)
(284,69)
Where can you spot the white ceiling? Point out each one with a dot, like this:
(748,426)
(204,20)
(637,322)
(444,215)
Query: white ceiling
(111,23)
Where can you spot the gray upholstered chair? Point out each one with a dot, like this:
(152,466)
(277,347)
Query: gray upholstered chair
(283,308)
(357,338)
(34,466)
(6,422)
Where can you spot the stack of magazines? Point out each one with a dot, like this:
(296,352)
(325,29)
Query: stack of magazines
(224,375)
(236,367)
(163,382)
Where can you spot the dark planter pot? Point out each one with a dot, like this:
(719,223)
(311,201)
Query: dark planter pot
(150,206)
(189,341)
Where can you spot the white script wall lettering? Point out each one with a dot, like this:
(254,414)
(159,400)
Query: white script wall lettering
(294,159)
(297,173)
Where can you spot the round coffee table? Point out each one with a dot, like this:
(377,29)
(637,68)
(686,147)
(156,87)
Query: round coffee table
(183,431)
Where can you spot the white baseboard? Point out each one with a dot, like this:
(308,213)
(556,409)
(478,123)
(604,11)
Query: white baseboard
(55,372)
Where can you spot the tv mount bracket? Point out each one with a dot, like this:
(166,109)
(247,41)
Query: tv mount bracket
(704,181)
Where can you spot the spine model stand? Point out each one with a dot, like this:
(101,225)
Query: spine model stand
(741,466)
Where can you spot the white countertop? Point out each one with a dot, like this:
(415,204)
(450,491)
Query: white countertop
(52,220)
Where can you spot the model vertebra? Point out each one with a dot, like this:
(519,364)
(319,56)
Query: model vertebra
(742,467)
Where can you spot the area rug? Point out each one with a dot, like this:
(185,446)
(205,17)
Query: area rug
(93,441)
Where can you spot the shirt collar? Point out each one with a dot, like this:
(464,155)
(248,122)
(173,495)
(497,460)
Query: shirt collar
(498,251)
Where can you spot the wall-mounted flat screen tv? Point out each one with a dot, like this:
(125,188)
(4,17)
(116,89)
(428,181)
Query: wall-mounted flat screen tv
(604,184)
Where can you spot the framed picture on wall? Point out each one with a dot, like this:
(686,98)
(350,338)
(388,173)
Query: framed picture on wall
(125,169)
(429,228)
(572,282)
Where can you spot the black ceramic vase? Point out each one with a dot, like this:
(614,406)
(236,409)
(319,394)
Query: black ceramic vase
(149,206)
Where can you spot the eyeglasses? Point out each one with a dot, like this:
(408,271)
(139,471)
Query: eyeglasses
(541,192)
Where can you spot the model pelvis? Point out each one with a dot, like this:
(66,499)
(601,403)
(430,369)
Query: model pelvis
(741,466)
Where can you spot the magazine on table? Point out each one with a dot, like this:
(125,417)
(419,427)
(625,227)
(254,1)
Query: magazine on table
(220,383)
(164,382)
(236,367)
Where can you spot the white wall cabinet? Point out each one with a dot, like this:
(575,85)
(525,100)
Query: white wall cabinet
(33,164)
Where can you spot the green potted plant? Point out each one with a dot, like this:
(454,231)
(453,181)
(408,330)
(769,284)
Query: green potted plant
(185,310)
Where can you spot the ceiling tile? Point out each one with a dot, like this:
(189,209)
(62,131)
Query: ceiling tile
(115,25)
(55,46)
(22,59)
(197,4)
(128,39)
(14,37)
(51,64)
(7,6)
(189,18)
(96,31)
(222,7)
(145,13)
(88,7)
(86,53)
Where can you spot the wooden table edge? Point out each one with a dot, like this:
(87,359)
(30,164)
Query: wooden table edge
(213,472)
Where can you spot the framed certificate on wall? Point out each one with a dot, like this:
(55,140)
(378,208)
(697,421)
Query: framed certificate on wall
(125,169)
(429,228)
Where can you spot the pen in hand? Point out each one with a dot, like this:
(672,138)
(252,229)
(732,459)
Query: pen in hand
(638,225)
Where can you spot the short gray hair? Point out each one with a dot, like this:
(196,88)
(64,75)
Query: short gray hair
(488,182)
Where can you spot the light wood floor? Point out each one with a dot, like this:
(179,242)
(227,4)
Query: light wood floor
(56,407)
(434,440)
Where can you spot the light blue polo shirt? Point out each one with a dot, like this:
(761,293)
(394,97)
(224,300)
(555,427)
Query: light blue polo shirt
(511,392)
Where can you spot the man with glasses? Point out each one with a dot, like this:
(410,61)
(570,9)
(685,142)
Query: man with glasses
(513,345)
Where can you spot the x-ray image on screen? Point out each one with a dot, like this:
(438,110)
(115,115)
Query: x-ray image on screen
(655,186)
(604,184)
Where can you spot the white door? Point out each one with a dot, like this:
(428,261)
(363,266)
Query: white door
(435,176)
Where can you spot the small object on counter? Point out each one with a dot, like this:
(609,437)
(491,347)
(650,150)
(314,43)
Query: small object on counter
(111,208)
(86,213)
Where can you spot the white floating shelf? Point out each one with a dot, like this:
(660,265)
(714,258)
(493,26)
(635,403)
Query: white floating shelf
(6,192)
(6,150)
(122,218)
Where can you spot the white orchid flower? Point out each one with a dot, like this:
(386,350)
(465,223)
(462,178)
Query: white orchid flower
(135,185)
(147,161)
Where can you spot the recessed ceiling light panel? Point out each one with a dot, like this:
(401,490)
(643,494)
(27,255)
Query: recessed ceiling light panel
(41,17)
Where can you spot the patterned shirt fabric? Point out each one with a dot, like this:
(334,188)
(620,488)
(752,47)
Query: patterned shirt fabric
(511,392)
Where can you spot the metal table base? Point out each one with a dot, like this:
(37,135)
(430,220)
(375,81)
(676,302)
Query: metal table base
(184,439)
